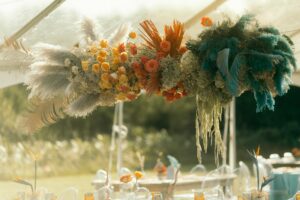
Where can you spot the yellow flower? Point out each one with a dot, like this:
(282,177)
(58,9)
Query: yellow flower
(93,50)
(138,175)
(96,68)
(105,85)
(85,65)
(105,77)
(124,56)
(128,178)
(115,51)
(103,53)
(122,70)
(100,59)
(132,35)
(123,78)
(105,66)
(116,61)
(103,43)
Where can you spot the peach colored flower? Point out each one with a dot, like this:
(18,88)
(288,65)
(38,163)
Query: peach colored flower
(165,46)
(206,21)
(151,66)
(104,43)
(138,174)
(123,56)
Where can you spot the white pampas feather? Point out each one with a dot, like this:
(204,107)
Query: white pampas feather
(83,105)
(55,54)
(42,113)
(119,35)
(88,30)
(11,59)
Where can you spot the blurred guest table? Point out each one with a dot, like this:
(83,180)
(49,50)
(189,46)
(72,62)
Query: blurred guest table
(286,183)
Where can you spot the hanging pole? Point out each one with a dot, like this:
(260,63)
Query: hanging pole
(232,132)
(113,140)
(208,9)
(225,134)
(44,13)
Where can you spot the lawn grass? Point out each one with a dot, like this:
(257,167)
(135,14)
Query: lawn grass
(57,185)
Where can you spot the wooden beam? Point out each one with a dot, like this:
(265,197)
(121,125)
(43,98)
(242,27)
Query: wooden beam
(14,37)
(208,9)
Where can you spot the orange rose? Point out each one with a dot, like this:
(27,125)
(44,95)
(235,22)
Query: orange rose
(132,35)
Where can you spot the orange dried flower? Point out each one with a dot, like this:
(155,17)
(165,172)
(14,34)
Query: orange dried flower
(133,49)
(144,59)
(104,43)
(126,178)
(115,51)
(206,21)
(121,48)
(123,56)
(100,59)
(105,66)
(151,66)
(182,50)
(165,46)
(96,68)
(103,53)
(132,35)
(138,174)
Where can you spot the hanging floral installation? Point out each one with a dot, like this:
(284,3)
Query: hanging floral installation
(226,60)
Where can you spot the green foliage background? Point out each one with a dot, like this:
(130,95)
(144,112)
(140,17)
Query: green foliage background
(169,126)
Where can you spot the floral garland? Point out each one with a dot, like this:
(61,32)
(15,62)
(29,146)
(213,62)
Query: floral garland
(226,60)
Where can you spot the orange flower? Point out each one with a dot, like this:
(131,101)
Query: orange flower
(132,35)
(126,178)
(96,68)
(124,56)
(206,21)
(104,43)
(102,53)
(182,50)
(116,61)
(100,59)
(131,96)
(121,48)
(133,49)
(115,51)
(151,66)
(138,175)
(105,66)
(136,66)
(144,59)
(165,46)
(105,85)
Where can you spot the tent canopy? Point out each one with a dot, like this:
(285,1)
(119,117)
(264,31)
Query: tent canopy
(62,26)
